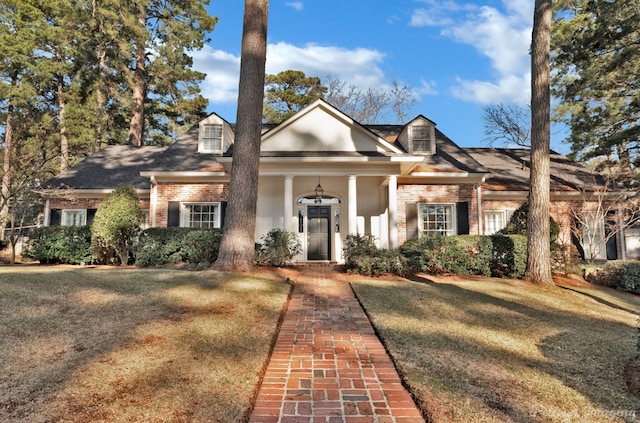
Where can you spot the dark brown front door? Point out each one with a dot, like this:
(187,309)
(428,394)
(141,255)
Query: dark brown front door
(318,241)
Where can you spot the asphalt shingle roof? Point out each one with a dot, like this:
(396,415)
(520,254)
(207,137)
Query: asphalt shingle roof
(110,167)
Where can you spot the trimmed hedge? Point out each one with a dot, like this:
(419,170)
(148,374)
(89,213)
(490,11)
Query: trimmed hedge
(496,255)
(624,276)
(161,246)
(60,244)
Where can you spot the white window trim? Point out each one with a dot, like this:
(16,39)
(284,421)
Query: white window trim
(201,138)
(504,220)
(185,212)
(454,219)
(65,212)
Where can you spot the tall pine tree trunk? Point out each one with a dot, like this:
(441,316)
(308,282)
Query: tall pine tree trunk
(64,139)
(6,170)
(238,240)
(538,243)
(136,127)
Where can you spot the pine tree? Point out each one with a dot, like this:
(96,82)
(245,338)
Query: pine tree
(288,92)
(597,63)
(538,240)
(238,236)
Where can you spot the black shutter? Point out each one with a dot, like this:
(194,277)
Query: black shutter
(462,212)
(91,213)
(54,217)
(223,213)
(411,210)
(173,214)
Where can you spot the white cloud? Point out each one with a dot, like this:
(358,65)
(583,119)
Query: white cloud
(426,88)
(513,89)
(355,66)
(503,36)
(297,5)
(222,70)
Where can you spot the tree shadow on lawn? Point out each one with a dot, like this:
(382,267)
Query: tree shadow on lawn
(463,356)
(60,327)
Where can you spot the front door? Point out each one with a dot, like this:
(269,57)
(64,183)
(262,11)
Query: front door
(318,241)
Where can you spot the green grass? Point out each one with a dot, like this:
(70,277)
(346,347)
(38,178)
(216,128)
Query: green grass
(124,345)
(501,350)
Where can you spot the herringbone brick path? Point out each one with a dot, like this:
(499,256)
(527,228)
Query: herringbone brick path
(328,366)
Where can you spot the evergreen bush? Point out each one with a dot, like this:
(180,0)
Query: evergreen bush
(60,244)
(278,247)
(117,222)
(162,246)
(624,276)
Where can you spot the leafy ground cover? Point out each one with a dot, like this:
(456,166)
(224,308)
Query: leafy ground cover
(127,345)
(496,350)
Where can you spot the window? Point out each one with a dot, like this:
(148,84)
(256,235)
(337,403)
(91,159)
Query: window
(74,217)
(436,219)
(494,221)
(211,141)
(145,220)
(201,215)
(421,139)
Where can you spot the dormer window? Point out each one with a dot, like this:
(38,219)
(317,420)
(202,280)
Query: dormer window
(421,139)
(211,139)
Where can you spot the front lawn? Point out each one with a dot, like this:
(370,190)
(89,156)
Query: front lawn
(125,345)
(487,350)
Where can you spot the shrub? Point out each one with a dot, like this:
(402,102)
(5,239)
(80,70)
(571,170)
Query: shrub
(277,248)
(161,246)
(509,255)
(364,258)
(60,244)
(117,222)
(624,276)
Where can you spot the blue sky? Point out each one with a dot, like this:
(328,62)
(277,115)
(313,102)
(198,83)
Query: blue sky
(456,55)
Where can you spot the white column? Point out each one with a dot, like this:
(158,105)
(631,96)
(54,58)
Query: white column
(479,200)
(352,193)
(154,202)
(47,213)
(288,201)
(393,211)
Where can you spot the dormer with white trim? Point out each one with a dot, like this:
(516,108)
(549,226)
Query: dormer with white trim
(215,135)
(419,136)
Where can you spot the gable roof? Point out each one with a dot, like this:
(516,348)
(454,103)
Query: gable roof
(320,127)
(108,168)
(510,169)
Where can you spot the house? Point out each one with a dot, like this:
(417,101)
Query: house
(324,176)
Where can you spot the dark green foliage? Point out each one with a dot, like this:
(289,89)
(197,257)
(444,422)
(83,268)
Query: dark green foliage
(509,255)
(288,92)
(60,244)
(161,246)
(498,255)
(364,258)
(624,276)
(278,247)
(517,224)
(117,222)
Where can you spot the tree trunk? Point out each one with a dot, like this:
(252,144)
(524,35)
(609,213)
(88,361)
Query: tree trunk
(237,246)
(136,127)
(538,242)
(64,139)
(6,170)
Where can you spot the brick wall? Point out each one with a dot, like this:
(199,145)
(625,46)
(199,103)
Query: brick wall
(435,194)
(205,192)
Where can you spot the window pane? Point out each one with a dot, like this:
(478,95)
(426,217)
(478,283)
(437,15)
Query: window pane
(202,215)
(436,219)
(212,139)
(421,138)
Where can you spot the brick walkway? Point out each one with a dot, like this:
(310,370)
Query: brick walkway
(328,365)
